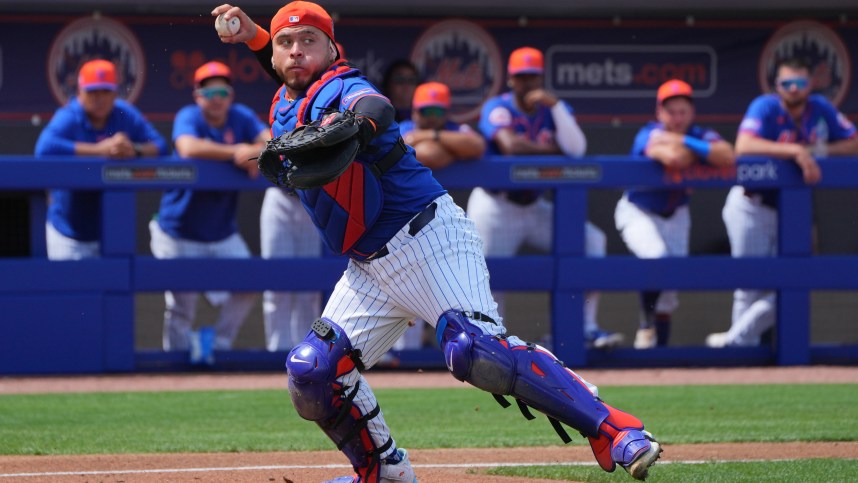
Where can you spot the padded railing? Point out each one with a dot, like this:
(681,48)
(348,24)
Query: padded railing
(78,317)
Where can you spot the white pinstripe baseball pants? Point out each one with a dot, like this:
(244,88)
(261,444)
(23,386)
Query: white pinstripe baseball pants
(440,268)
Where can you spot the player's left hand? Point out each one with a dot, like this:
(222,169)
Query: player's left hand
(244,158)
(540,97)
(810,170)
(246,30)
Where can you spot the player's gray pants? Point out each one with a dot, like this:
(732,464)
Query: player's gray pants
(181,307)
(61,247)
(753,231)
(285,231)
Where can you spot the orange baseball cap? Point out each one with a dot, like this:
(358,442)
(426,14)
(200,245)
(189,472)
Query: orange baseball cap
(526,60)
(302,13)
(431,94)
(97,74)
(212,69)
(673,88)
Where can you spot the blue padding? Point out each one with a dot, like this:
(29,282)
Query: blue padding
(532,376)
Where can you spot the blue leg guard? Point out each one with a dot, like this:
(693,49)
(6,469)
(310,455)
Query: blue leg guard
(534,377)
(314,366)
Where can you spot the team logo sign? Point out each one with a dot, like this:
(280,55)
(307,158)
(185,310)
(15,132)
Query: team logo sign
(91,38)
(466,58)
(819,45)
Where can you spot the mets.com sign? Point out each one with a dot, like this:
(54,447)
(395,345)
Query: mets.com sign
(628,71)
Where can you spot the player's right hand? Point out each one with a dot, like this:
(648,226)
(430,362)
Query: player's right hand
(810,170)
(540,97)
(247,28)
(117,146)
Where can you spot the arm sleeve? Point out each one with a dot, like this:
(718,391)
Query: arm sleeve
(263,56)
(753,121)
(376,108)
(57,137)
(641,140)
(570,138)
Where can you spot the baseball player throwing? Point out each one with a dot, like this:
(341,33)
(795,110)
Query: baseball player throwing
(656,223)
(413,253)
(789,124)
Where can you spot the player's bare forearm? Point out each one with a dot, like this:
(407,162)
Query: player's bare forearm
(844,147)
(750,145)
(721,154)
(511,144)
(205,149)
(463,146)
(670,155)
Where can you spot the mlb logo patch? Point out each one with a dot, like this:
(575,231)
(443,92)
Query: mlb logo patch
(294,18)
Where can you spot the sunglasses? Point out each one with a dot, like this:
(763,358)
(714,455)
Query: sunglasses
(798,82)
(433,112)
(211,92)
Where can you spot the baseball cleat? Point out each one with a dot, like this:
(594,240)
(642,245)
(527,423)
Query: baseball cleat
(635,451)
(396,468)
(717,340)
(601,339)
(645,338)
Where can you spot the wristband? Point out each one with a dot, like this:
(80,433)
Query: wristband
(697,146)
(437,136)
(259,40)
(138,150)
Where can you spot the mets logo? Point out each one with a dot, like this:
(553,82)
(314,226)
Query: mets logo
(91,38)
(466,58)
(820,46)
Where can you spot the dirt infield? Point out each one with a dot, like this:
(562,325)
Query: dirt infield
(433,465)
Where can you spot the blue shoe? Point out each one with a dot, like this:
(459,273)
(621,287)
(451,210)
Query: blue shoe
(202,346)
(635,451)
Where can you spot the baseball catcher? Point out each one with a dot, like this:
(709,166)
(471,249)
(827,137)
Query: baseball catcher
(314,154)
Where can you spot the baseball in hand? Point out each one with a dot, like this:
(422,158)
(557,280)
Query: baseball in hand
(226,27)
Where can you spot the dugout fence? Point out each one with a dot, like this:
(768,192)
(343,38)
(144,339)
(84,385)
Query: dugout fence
(78,316)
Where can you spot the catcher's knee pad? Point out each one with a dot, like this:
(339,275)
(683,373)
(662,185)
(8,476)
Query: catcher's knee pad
(534,377)
(315,367)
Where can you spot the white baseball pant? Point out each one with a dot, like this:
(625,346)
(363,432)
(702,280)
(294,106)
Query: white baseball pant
(506,227)
(648,235)
(181,307)
(439,268)
(61,247)
(286,230)
(753,231)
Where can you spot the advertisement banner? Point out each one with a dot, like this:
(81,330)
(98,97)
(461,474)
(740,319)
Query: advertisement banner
(607,70)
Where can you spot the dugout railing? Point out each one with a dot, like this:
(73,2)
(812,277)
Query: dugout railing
(78,316)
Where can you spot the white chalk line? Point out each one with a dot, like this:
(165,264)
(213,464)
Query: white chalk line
(325,467)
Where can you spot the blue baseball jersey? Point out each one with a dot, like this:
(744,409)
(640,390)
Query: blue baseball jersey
(406,188)
(661,201)
(766,118)
(198,215)
(501,112)
(77,214)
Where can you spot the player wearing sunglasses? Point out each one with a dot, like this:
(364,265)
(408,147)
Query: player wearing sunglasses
(791,123)
(203,223)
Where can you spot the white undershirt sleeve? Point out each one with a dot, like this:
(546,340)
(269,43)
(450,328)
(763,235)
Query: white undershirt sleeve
(570,138)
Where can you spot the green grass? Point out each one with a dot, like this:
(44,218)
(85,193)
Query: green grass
(799,471)
(248,421)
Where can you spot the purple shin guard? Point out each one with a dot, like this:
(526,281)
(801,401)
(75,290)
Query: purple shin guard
(534,377)
(315,366)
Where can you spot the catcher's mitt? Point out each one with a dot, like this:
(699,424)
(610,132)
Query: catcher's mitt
(312,155)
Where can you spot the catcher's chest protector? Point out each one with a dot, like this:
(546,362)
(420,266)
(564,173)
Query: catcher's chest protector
(345,209)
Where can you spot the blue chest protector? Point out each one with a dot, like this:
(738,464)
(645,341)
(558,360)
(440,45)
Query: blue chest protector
(345,209)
